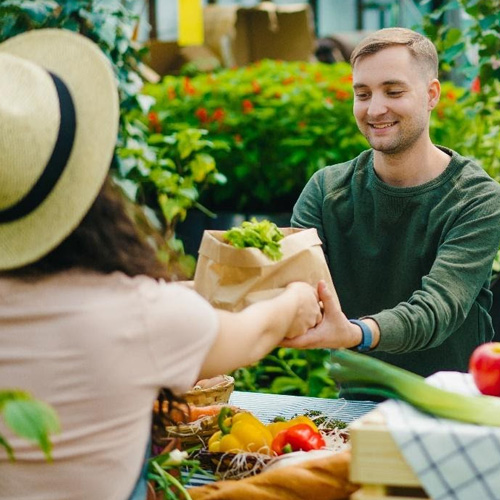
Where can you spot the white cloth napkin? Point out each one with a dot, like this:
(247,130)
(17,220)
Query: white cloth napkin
(453,460)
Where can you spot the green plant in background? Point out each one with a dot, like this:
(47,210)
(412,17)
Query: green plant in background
(473,53)
(289,371)
(165,175)
(29,418)
(110,24)
(281,121)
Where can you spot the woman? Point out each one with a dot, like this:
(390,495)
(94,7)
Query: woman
(87,321)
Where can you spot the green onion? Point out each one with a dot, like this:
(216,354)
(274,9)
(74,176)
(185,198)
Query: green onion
(372,376)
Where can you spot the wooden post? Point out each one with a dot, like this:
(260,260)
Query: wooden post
(153,35)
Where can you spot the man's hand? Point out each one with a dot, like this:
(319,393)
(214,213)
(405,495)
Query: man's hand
(334,330)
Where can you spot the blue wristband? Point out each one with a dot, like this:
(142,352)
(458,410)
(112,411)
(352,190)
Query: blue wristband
(366,336)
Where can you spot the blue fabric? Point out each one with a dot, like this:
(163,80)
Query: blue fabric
(141,486)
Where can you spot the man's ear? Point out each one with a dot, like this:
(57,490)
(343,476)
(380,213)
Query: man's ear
(433,94)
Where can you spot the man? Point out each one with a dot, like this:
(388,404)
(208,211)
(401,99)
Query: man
(409,229)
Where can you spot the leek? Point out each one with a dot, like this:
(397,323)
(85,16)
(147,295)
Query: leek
(370,375)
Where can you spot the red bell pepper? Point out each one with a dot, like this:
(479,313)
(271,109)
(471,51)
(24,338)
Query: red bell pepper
(296,438)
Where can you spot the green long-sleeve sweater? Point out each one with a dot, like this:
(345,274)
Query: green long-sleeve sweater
(417,260)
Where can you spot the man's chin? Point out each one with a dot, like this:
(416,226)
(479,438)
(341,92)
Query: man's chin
(387,149)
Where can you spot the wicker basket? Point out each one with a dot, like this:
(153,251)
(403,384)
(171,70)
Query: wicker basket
(195,433)
(217,394)
(233,465)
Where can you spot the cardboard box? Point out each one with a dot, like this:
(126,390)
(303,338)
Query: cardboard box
(220,31)
(236,36)
(168,57)
(243,35)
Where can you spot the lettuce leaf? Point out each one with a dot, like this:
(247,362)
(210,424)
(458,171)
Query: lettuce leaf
(264,235)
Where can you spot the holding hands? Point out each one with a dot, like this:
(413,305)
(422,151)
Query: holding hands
(334,330)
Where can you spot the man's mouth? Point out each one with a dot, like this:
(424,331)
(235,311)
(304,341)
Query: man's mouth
(382,125)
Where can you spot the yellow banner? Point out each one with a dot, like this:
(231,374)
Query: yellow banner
(190,22)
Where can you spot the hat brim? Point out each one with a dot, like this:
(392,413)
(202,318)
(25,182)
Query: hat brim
(89,76)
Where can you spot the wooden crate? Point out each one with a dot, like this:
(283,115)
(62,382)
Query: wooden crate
(378,465)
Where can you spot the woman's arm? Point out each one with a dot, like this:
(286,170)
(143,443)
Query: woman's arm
(246,336)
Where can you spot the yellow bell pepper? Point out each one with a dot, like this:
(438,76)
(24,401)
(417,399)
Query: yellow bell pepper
(276,427)
(240,433)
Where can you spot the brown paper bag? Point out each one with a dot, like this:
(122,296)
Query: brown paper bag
(232,278)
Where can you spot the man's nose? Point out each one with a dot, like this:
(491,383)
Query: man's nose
(377,106)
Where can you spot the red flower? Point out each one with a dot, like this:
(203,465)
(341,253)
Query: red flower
(256,86)
(154,121)
(476,85)
(288,81)
(318,77)
(451,95)
(302,125)
(342,95)
(218,115)
(172,94)
(237,139)
(247,106)
(202,115)
(346,79)
(188,87)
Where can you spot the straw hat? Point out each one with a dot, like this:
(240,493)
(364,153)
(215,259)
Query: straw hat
(58,127)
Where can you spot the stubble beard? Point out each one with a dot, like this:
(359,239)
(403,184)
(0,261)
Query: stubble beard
(404,140)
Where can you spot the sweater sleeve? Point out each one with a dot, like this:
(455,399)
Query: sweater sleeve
(307,212)
(448,292)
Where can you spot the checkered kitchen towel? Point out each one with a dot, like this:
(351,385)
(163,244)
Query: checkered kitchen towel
(453,460)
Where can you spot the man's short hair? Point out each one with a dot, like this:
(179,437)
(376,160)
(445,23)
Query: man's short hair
(420,47)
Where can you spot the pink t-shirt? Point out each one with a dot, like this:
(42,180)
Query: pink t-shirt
(97,348)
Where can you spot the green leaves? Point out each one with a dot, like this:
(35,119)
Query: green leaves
(28,418)
(289,371)
(264,235)
(280,122)
(472,53)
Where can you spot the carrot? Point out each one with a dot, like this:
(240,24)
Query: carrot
(198,412)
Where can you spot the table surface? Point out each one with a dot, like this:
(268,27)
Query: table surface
(267,406)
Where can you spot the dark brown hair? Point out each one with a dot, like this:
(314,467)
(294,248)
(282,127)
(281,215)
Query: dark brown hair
(106,240)
(420,47)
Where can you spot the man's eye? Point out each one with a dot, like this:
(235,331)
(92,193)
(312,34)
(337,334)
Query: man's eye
(362,96)
(395,93)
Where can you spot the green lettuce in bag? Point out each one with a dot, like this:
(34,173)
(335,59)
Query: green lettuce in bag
(264,235)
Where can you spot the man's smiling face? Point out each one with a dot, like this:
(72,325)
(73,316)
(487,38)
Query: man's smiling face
(391,99)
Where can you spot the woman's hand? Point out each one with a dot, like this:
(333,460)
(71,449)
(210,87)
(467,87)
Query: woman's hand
(307,310)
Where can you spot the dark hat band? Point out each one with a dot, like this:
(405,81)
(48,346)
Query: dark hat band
(57,162)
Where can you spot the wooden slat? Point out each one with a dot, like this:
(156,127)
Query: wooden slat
(380,492)
(376,459)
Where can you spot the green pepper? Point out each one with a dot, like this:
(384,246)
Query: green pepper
(296,438)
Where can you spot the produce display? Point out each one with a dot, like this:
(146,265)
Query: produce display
(264,235)
(235,444)
(244,446)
